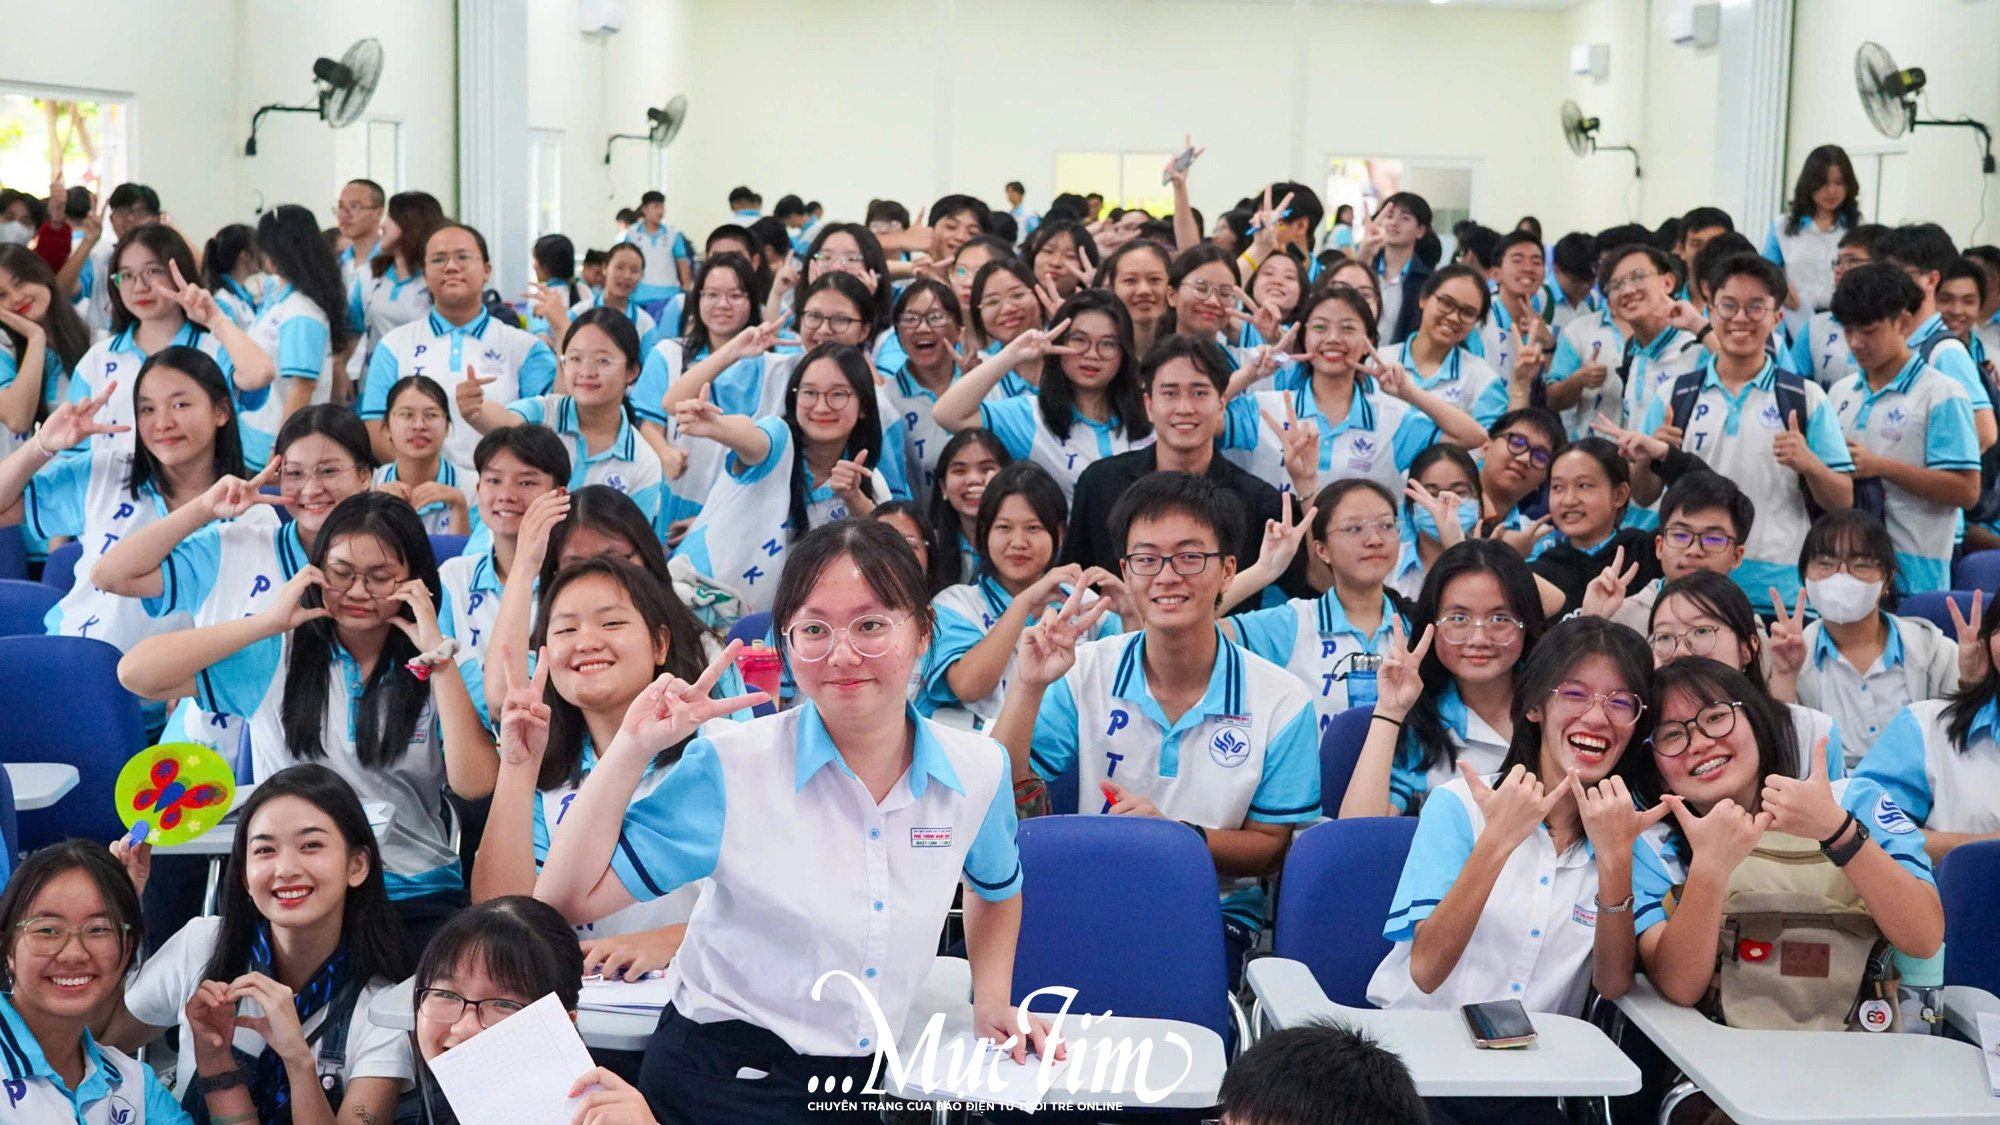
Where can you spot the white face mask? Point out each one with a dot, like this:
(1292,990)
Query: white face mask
(18,233)
(1842,598)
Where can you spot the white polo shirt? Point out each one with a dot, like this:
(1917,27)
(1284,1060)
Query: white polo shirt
(1941,786)
(467,613)
(923,438)
(1473,740)
(662,247)
(552,813)
(1586,339)
(158,996)
(1465,379)
(1820,351)
(93,301)
(1923,419)
(810,874)
(118,359)
(1248,750)
(116,1088)
(1019,425)
(436,515)
(378,306)
(1377,440)
(640,318)
(628,464)
(521,365)
(1554,306)
(1313,639)
(1918,663)
(1535,936)
(1650,369)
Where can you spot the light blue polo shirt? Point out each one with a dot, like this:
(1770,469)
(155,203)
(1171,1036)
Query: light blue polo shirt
(116,1089)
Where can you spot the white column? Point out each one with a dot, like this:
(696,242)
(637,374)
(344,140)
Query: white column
(493,132)
(1753,106)
(944,14)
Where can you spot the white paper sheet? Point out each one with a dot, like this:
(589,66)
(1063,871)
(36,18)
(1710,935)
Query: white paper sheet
(520,1069)
(1000,1080)
(1989,1045)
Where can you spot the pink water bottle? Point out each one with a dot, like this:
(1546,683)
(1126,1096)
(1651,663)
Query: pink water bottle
(760,665)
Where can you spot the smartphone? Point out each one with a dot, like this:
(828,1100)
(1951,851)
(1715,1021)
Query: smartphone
(1499,1024)
(1181,164)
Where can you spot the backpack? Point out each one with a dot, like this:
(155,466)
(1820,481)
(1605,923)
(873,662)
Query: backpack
(1789,389)
(1798,950)
(1987,508)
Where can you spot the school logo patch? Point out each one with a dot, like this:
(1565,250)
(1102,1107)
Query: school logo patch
(494,355)
(930,837)
(617,481)
(121,1111)
(1896,416)
(1769,416)
(1229,748)
(1450,394)
(1890,818)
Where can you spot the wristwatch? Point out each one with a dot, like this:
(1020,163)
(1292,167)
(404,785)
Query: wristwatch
(205,1085)
(1198,830)
(1616,908)
(1845,852)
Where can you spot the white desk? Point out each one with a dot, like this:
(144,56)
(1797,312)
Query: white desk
(37,785)
(1814,1077)
(1569,1058)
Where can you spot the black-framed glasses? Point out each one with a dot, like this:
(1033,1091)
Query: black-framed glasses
(1146,564)
(1621,707)
(378,583)
(936,318)
(1670,739)
(1448,307)
(440,1005)
(145,277)
(835,321)
(1713,542)
(1698,641)
(1519,446)
(838,398)
(1104,347)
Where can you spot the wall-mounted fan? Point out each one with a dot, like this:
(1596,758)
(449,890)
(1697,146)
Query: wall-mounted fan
(1581,133)
(662,126)
(344,89)
(1889,96)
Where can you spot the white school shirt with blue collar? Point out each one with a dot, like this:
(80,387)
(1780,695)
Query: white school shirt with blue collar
(1313,639)
(292,329)
(666,325)
(118,359)
(1465,380)
(1247,750)
(378,306)
(744,534)
(1733,436)
(93,300)
(1377,440)
(1988,335)
(1391,292)
(1923,419)
(417,856)
(436,515)
(55,384)
(662,247)
(1407,576)
(1653,368)
(116,1089)
(467,612)
(628,464)
(640,318)
(809,873)
(1953,358)
(1472,740)
(1660,861)
(521,366)
(665,361)
(1807,254)
(1942,787)
(1917,663)
(551,814)
(1553,305)
(1590,339)
(923,438)
(1494,340)
(1535,937)
(1820,351)
(238,303)
(1019,425)
(966,613)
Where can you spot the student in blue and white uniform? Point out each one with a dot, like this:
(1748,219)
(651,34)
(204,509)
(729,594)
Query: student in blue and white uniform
(1202,295)
(786,474)
(306,933)
(962,272)
(41,340)
(556,286)
(232,271)
(1273,293)
(1734,427)
(1444,492)
(51,1069)
(1064,257)
(1924,251)
(1590,501)
(1631,351)
(853,249)
(600,360)
(1089,406)
(1805,240)
(1439,354)
(1137,273)
(302,325)
(388,291)
(968,463)
(1395,248)
(346,626)
(87,274)
(1513,467)
(1727,765)
(1354,533)
(725,294)
(1517,279)
(1482,609)
(623,268)
(1820,347)
(358,212)
(1571,288)
(1365,421)
(927,332)
(669,265)
(1961,294)
(797,820)
(419,419)
(152,309)
(1026,218)
(1000,305)
(456,338)
(1237,760)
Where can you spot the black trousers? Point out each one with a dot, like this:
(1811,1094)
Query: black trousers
(1495,1111)
(690,1077)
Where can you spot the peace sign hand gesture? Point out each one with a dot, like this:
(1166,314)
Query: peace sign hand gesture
(756,339)
(73,421)
(1299,442)
(1272,356)
(1524,539)
(1048,295)
(1514,808)
(1038,342)
(546,300)
(1788,636)
(524,717)
(1268,319)
(1399,681)
(1443,506)
(698,417)
(1281,537)
(1972,655)
(230,497)
(1047,649)
(196,303)
(1636,448)
(1530,357)
(1606,592)
(1390,376)
(671,709)
(471,392)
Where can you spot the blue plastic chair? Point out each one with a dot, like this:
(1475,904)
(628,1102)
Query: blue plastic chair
(751,627)
(60,701)
(60,570)
(1123,909)
(10,831)
(24,606)
(13,555)
(1339,750)
(447,546)
(1339,879)
(1930,606)
(1979,570)
(1968,881)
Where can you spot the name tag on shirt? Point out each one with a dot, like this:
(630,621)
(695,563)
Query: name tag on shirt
(930,837)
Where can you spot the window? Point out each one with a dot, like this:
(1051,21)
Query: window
(1125,179)
(385,154)
(1363,182)
(545,182)
(87,132)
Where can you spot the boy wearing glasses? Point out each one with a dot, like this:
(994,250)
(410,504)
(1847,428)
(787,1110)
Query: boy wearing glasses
(1704,521)
(1513,465)
(1173,721)
(1615,362)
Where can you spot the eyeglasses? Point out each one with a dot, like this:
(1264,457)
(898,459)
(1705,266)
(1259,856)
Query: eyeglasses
(1712,542)
(378,583)
(1519,446)
(1728,309)
(1670,739)
(464,258)
(991,305)
(1104,347)
(145,277)
(1448,307)
(1824,566)
(936,318)
(327,475)
(440,1006)
(714,296)
(1186,562)
(1698,641)
(1457,628)
(1636,277)
(408,414)
(869,636)
(834,321)
(836,399)
(353,208)
(1328,328)
(601,364)
(1621,707)
(46,939)
(1203,291)
(1386,528)
(825,259)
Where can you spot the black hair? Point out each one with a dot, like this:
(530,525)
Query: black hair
(743,194)
(167,245)
(1711,681)
(628,216)
(1924,247)
(1661,261)
(478,240)
(1483,243)
(664,615)
(887,211)
(1718,596)
(1206,355)
(1873,293)
(1305,204)
(524,945)
(1009,265)
(1424,731)
(1289,314)
(1813,176)
(1079,239)
(945,517)
(1107,270)
(1965,268)
(865,437)
(1752,265)
(1320,1074)
(934,546)
(1538,419)
(727,232)
(1004,227)
(385,716)
(337,423)
(607,511)
(596,258)
(423,385)
(1184,264)
(784,208)
(226,459)
(1330,497)
(537,447)
(695,338)
(375,193)
(1604,451)
(1460,458)
(417,215)
(1515,238)
(624,336)
(657,197)
(1702,218)
(1165,493)
(847,286)
(1057,397)
(1528,224)
(63,330)
(371,933)
(288,238)
(886,564)
(1576,254)
(1703,490)
(1458,272)
(946,299)
(134,195)
(1866,235)
(1347,295)
(1567,644)
(76,203)
(1968,700)
(872,258)
(1015,185)
(959,204)
(556,254)
(44,866)
(223,253)
(1849,532)
(632,248)
(1044,497)
(1429,247)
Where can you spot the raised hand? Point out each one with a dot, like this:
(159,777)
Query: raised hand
(1684,316)
(1269,358)
(1282,536)
(279,1025)
(1523,540)
(1298,443)
(699,416)
(1609,818)
(1530,357)
(1515,807)
(1265,223)
(544,512)
(1047,649)
(471,392)
(196,303)
(1044,590)
(1790,449)
(424,631)
(786,279)
(524,717)
(1048,295)
(1443,506)
(1111,588)
(757,338)
(288,610)
(1606,592)
(547,301)
(1174,174)
(31,330)
(1399,681)
(1804,806)
(1389,375)
(671,709)
(1788,635)
(73,422)
(136,859)
(1636,448)
(211,1016)
(1973,659)
(230,497)
(1038,342)
(436,492)
(1723,837)
(846,477)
